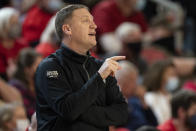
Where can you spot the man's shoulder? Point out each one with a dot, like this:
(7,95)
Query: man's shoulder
(48,63)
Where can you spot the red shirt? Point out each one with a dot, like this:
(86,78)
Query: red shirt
(45,49)
(167,126)
(34,23)
(6,54)
(108,17)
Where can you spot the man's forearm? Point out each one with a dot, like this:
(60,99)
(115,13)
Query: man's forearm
(115,114)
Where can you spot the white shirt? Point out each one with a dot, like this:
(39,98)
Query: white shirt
(160,105)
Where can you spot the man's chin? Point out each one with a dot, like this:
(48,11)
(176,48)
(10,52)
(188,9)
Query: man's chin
(94,43)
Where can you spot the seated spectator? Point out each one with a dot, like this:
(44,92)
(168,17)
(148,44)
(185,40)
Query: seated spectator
(130,35)
(13,117)
(109,14)
(23,78)
(139,113)
(37,19)
(10,45)
(49,42)
(183,105)
(160,81)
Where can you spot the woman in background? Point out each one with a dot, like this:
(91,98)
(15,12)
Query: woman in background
(160,80)
(23,78)
(10,39)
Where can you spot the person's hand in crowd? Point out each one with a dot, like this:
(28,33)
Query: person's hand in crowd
(110,66)
(184,66)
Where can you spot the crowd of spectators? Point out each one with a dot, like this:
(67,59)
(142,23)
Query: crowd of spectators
(158,77)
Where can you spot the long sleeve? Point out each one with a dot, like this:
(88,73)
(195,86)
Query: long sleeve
(115,113)
(150,117)
(57,91)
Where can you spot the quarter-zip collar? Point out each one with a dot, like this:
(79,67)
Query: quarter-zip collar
(70,54)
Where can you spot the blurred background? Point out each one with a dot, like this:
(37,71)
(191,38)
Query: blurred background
(158,78)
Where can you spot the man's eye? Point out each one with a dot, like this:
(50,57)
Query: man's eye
(86,20)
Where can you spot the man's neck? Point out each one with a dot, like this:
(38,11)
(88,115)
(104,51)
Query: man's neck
(75,47)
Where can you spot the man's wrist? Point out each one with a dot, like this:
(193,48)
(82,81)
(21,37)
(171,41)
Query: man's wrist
(101,77)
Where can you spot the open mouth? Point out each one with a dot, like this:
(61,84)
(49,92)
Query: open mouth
(92,34)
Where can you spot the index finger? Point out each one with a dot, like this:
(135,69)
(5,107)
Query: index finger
(115,58)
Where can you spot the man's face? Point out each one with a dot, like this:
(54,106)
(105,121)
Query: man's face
(82,29)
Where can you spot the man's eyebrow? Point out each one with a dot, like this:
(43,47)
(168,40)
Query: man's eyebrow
(86,16)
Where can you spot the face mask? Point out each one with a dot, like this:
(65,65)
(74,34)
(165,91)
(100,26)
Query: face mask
(54,5)
(140,4)
(172,84)
(22,124)
(191,122)
(15,31)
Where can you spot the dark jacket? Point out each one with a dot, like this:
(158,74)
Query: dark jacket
(138,115)
(71,95)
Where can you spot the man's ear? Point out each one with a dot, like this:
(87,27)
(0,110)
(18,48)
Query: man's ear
(66,29)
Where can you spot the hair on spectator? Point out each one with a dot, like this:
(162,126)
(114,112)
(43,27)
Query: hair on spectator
(125,28)
(26,58)
(127,67)
(63,15)
(154,75)
(5,15)
(182,99)
(7,113)
(147,128)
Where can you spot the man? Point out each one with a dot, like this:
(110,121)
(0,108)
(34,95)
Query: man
(139,113)
(74,91)
(183,105)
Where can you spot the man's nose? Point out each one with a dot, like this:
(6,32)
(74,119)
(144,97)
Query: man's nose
(93,25)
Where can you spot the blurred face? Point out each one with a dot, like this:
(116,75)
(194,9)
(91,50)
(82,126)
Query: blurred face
(169,73)
(51,5)
(128,3)
(20,117)
(128,84)
(126,6)
(13,28)
(19,113)
(82,29)
(133,36)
